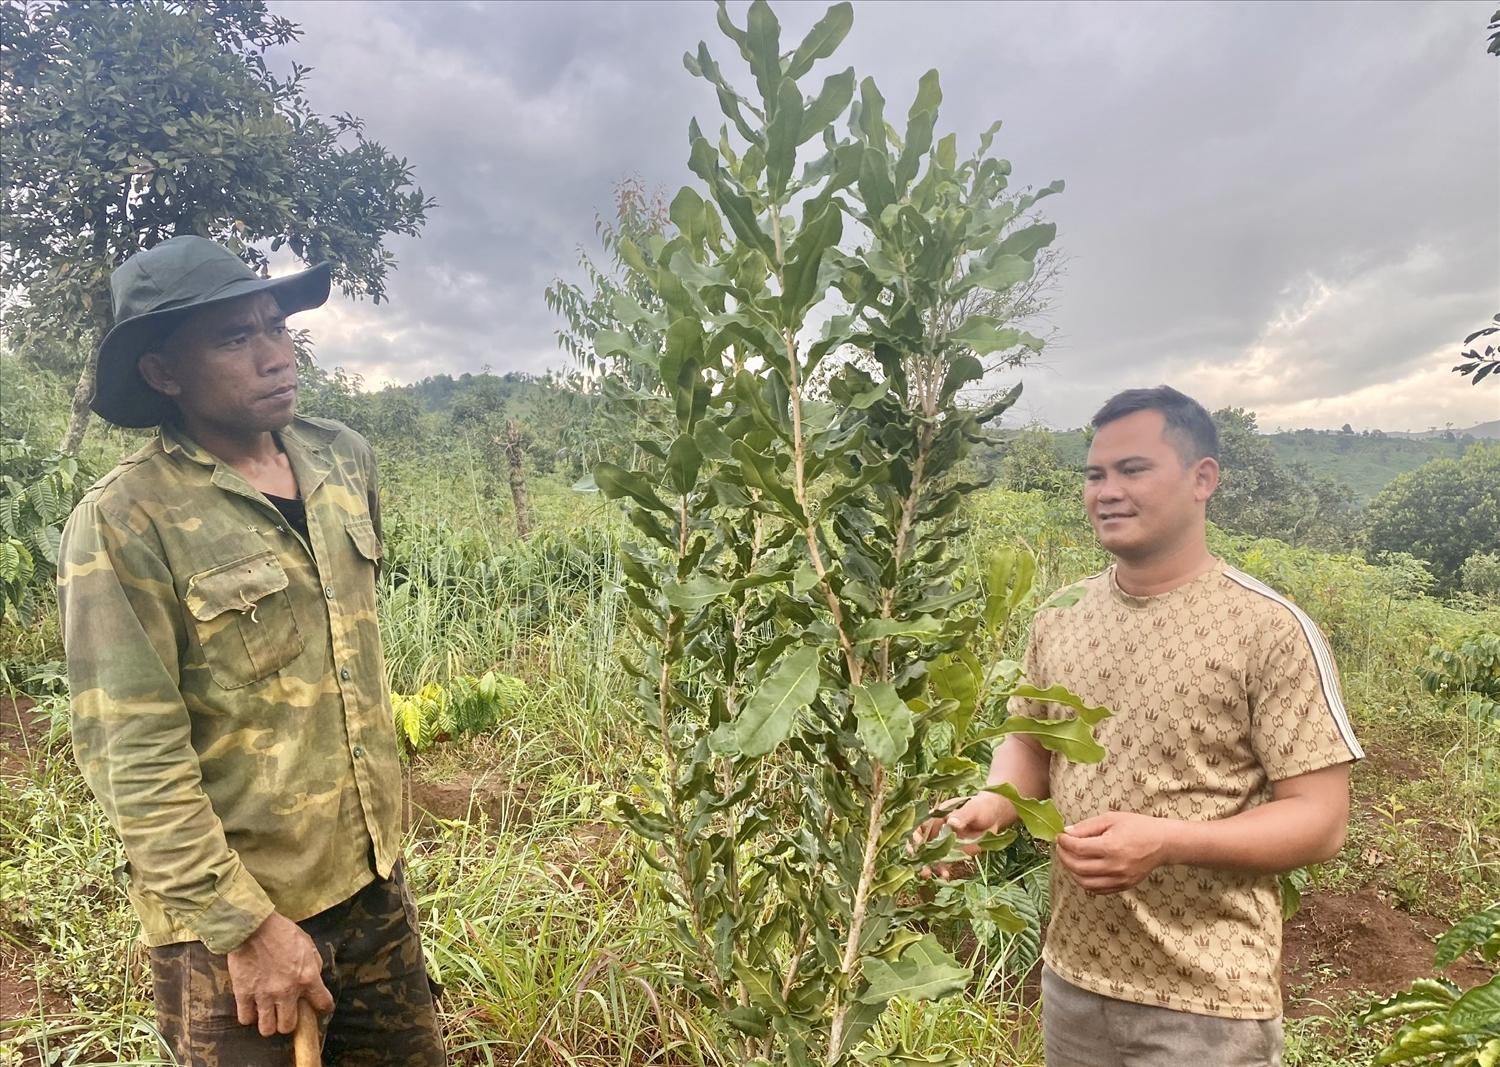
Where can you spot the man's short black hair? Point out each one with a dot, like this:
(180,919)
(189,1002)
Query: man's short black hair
(1188,424)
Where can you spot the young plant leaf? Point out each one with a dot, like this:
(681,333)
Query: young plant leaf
(925,971)
(767,717)
(1071,738)
(616,482)
(885,722)
(821,41)
(1057,694)
(1040,817)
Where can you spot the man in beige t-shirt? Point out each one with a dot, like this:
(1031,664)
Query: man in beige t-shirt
(1228,762)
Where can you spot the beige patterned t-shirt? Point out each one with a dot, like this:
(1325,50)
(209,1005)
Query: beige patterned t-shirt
(1218,688)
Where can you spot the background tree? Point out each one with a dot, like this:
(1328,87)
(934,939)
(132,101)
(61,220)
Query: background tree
(1260,495)
(1030,460)
(129,123)
(1444,512)
(613,402)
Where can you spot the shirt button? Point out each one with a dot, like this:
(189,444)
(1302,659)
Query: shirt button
(359,752)
(344,673)
(328,591)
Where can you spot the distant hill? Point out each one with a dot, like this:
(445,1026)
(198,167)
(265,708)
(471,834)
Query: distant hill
(1365,462)
(1485,430)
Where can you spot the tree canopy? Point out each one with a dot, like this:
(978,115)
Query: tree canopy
(129,123)
(1443,512)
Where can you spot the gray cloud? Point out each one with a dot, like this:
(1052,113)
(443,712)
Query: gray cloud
(1290,208)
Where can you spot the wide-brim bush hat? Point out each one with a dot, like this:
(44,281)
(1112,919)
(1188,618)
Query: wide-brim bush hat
(155,291)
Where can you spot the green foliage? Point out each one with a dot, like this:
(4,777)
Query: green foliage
(1031,461)
(1480,364)
(466,705)
(1259,495)
(809,659)
(128,123)
(32,514)
(1448,1026)
(1443,512)
(1467,674)
(1480,575)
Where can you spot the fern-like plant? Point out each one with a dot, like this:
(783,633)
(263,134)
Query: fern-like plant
(32,513)
(466,705)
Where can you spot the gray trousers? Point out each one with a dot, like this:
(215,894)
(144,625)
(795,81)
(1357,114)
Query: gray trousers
(1084,1029)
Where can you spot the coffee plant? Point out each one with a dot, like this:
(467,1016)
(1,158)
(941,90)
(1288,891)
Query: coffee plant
(814,663)
(1467,674)
(1448,1026)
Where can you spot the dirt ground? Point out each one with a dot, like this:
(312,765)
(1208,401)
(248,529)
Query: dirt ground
(1340,944)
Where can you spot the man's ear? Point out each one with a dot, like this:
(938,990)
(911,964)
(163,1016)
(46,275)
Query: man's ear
(1205,479)
(157,371)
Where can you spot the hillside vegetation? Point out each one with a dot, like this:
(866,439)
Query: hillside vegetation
(547,952)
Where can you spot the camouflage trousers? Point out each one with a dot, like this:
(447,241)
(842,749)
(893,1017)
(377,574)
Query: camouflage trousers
(383,1014)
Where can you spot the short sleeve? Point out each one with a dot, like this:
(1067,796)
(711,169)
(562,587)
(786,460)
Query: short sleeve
(1033,672)
(1298,720)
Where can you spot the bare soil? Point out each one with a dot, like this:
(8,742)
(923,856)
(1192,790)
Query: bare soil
(468,797)
(1343,944)
(23,737)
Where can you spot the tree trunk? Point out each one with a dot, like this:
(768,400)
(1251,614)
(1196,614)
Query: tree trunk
(513,460)
(97,306)
(78,422)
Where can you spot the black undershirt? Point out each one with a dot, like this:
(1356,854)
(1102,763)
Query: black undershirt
(293,511)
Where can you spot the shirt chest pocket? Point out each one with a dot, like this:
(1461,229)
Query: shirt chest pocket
(243,619)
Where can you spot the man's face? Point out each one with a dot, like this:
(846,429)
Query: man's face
(1142,497)
(230,367)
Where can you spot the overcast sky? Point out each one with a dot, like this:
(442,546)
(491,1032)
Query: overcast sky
(1293,208)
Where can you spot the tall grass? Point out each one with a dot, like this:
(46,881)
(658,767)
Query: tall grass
(532,919)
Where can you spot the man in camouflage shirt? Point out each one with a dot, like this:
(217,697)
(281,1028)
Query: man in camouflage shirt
(230,708)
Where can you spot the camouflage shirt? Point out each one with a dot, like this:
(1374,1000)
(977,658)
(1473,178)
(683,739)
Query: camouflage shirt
(230,709)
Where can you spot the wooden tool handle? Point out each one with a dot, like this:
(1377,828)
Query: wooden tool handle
(305,1047)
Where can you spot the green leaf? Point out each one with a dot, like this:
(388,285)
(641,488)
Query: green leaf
(1058,694)
(872,121)
(805,257)
(1479,1008)
(1040,817)
(885,722)
(1027,242)
(697,592)
(783,135)
(962,370)
(1425,995)
(919,125)
(1072,737)
(760,473)
(1002,273)
(683,463)
(880,629)
(925,971)
(763,41)
(767,716)
(822,40)
(831,102)
(984,335)
(1474,931)
(616,483)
